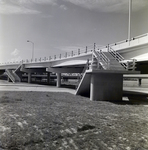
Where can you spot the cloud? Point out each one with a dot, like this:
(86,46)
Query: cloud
(9,9)
(26,6)
(63,7)
(16,59)
(22,6)
(15,52)
(15,56)
(109,5)
(51,2)
(2,1)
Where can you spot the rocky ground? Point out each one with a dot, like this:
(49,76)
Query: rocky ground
(62,121)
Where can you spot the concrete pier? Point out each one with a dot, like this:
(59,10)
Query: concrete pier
(29,77)
(103,84)
(58,79)
(48,78)
(106,86)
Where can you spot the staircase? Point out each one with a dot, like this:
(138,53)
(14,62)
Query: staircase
(108,60)
(112,60)
(12,74)
(129,65)
(114,64)
(18,68)
(102,60)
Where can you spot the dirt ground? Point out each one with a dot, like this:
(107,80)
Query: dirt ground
(62,121)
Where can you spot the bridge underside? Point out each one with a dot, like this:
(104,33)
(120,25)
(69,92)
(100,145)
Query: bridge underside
(142,67)
(1,72)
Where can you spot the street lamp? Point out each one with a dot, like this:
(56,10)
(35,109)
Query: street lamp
(129,20)
(32,49)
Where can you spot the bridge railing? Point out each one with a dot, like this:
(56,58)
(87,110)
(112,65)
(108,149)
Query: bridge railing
(69,54)
(84,50)
(141,39)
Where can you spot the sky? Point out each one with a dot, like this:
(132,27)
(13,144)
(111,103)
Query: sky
(59,26)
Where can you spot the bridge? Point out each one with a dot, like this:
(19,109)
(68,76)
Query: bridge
(101,68)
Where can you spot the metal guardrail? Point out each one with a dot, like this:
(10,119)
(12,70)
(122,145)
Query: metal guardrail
(86,50)
(132,39)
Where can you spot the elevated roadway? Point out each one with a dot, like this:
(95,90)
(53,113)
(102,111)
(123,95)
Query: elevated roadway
(136,48)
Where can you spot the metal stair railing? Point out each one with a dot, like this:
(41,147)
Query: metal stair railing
(17,78)
(86,67)
(81,75)
(129,65)
(12,75)
(9,73)
(117,56)
(102,58)
(17,68)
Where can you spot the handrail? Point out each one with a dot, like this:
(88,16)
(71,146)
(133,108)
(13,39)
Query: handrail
(85,68)
(127,65)
(17,78)
(101,58)
(131,65)
(83,72)
(104,57)
(117,56)
(10,75)
(17,68)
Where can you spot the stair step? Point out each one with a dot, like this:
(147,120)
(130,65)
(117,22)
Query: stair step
(113,63)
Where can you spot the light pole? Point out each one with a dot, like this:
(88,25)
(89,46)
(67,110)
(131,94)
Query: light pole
(32,49)
(129,21)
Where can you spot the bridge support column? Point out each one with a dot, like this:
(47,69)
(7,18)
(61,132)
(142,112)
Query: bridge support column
(29,77)
(48,78)
(106,86)
(58,79)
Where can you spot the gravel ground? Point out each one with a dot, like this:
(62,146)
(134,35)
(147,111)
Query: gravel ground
(62,121)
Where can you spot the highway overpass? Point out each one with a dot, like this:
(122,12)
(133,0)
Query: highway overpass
(113,59)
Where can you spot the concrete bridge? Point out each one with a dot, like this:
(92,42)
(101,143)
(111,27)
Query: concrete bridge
(105,64)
